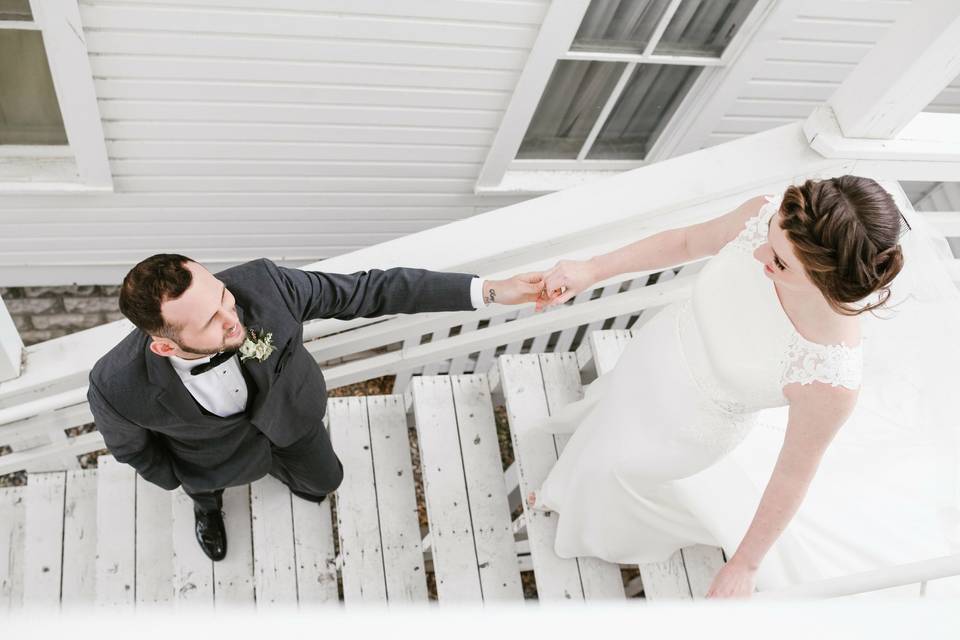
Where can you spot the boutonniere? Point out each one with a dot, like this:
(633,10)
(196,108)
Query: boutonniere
(257,347)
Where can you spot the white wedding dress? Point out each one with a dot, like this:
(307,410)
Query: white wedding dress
(675,445)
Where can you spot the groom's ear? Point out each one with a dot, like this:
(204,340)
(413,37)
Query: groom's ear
(162,346)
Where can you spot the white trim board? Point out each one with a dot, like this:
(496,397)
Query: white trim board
(503,172)
(89,167)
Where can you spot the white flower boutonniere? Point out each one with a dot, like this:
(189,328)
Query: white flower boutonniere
(254,347)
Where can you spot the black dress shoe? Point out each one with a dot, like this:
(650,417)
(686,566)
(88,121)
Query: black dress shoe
(309,496)
(211,533)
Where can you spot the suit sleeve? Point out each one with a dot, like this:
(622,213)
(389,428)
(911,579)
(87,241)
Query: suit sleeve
(131,443)
(368,294)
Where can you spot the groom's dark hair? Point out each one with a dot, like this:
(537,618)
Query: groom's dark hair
(149,284)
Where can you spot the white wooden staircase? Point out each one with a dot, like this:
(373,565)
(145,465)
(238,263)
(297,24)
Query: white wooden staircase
(109,538)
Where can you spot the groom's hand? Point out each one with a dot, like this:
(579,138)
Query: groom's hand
(522,288)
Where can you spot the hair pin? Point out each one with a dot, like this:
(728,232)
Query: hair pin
(905,223)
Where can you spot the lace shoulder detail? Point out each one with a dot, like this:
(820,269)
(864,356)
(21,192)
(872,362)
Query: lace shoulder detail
(754,232)
(836,364)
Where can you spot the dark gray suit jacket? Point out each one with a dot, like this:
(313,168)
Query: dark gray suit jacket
(149,420)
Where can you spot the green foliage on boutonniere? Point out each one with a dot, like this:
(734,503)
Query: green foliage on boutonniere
(257,347)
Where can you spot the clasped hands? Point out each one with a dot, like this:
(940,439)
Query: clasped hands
(548,288)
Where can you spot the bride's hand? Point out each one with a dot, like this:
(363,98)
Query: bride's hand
(566,279)
(734,580)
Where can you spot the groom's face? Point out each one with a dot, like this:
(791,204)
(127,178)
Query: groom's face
(206,315)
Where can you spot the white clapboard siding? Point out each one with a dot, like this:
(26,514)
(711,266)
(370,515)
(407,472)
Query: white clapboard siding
(345,112)
(79,581)
(471,536)
(292,151)
(298,168)
(305,24)
(233,576)
(316,556)
(520,12)
(316,133)
(188,111)
(12,521)
(374,96)
(116,522)
(154,547)
(290,49)
(275,573)
(44,550)
(158,68)
(192,569)
(689,571)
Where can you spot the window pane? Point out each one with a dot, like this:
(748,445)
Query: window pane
(29,112)
(703,27)
(15,10)
(570,104)
(619,25)
(643,110)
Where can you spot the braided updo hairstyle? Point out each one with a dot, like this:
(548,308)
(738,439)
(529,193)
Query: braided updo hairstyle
(845,232)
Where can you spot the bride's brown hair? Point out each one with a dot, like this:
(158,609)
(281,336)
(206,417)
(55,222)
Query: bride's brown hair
(845,232)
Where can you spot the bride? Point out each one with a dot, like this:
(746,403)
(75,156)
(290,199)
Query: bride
(793,411)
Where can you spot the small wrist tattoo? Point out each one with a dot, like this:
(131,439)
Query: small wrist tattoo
(491,296)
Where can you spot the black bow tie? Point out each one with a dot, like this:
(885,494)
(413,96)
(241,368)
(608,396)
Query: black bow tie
(215,361)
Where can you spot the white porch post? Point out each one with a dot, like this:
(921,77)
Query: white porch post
(917,58)
(11,346)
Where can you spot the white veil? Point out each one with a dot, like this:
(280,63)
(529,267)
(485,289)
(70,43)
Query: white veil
(911,379)
(887,490)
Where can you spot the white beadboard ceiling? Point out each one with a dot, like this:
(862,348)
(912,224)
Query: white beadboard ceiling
(302,129)
(827,39)
(292,129)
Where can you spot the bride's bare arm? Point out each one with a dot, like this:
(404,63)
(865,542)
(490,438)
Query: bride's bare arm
(659,251)
(817,411)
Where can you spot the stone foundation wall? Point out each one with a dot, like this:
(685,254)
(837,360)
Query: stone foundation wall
(44,313)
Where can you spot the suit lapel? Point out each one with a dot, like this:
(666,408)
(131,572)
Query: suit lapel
(172,394)
(257,370)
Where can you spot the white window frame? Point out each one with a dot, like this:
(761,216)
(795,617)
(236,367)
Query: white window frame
(503,172)
(82,164)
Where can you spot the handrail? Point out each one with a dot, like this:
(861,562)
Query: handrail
(636,202)
(41,405)
(896,576)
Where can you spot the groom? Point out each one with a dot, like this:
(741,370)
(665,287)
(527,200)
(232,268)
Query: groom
(215,389)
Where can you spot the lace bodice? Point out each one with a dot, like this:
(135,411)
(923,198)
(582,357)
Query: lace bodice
(741,346)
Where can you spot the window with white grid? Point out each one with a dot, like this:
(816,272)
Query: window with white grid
(613,83)
(51,137)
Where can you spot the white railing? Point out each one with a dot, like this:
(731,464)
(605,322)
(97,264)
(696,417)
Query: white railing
(527,236)
(48,396)
(915,573)
(34,429)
